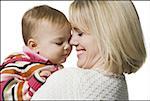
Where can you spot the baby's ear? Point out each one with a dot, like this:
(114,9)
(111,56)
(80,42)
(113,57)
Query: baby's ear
(32,45)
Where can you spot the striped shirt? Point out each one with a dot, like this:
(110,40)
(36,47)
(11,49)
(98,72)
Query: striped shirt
(20,77)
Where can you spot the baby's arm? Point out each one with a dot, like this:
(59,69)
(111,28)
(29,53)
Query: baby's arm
(14,89)
(39,77)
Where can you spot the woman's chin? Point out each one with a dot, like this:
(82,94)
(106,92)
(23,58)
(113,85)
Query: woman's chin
(80,64)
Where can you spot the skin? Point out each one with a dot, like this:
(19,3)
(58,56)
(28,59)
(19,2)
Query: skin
(87,50)
(51,42)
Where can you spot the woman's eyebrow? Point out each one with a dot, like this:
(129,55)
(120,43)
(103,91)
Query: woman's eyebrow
(76,29)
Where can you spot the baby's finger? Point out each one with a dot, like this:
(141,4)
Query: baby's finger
(45,74)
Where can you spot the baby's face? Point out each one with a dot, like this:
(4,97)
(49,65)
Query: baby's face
(53,43)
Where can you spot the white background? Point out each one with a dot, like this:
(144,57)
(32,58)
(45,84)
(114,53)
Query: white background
(11,39)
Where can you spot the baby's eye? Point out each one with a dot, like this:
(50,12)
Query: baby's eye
(80,34)
(59,43)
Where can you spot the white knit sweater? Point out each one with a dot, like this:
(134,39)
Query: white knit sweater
(85,84)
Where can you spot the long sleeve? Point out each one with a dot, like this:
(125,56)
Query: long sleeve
(19,74)
(19,90)
(18,83)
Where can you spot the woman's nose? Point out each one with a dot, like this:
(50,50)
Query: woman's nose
(73,40)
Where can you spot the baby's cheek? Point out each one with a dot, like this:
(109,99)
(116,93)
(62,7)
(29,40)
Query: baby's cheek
(69,51)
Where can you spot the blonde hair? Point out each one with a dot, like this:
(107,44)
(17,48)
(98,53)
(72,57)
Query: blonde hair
(116,27)
(34,16)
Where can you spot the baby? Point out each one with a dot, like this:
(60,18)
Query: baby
(46,33)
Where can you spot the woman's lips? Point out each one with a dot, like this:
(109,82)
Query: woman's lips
(80,52)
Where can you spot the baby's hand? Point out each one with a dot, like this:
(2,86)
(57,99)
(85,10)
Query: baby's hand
(45,74)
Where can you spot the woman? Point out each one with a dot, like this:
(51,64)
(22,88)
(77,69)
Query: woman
(109,43)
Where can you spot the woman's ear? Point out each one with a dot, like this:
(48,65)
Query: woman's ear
(32,45)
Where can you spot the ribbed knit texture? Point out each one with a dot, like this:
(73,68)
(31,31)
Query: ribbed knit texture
(83,84)
(34,83)
(19,75)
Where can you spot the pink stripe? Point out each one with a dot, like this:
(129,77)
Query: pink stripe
(30,93)
(33,55)
(2,84)
(34,84)
(16,59)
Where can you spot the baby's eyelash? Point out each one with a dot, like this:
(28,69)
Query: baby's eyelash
(59,43)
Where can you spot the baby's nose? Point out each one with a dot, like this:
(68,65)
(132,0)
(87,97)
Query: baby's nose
(67,46)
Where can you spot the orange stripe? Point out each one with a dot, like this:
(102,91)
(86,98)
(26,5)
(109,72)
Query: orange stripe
(11,71)
(17,56)
(26,74)
(31,70)
(19,91)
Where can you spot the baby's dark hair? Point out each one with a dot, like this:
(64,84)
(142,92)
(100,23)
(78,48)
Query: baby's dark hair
(33,17)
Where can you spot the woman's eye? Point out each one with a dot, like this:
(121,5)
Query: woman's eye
(80,34)
(59,43)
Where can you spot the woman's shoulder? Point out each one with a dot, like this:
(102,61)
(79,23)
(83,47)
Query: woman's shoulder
(71,73)
(80,73)
(77,83)
(60,85)
(67,72)
(63,84)
(66,76)
(96,84)
(72,77)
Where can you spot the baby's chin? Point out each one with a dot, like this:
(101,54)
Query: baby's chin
(63,61)
(60,62)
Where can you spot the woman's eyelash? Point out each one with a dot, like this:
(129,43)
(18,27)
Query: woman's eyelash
(80,34)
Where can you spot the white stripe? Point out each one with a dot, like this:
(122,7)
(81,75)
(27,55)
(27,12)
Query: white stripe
(8,92)
(25,87)
(30,66)
(6,77)
(32,90)
(20,70)
(37,75)
(18,63)
(15,92)
(27,96)
(11,68)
